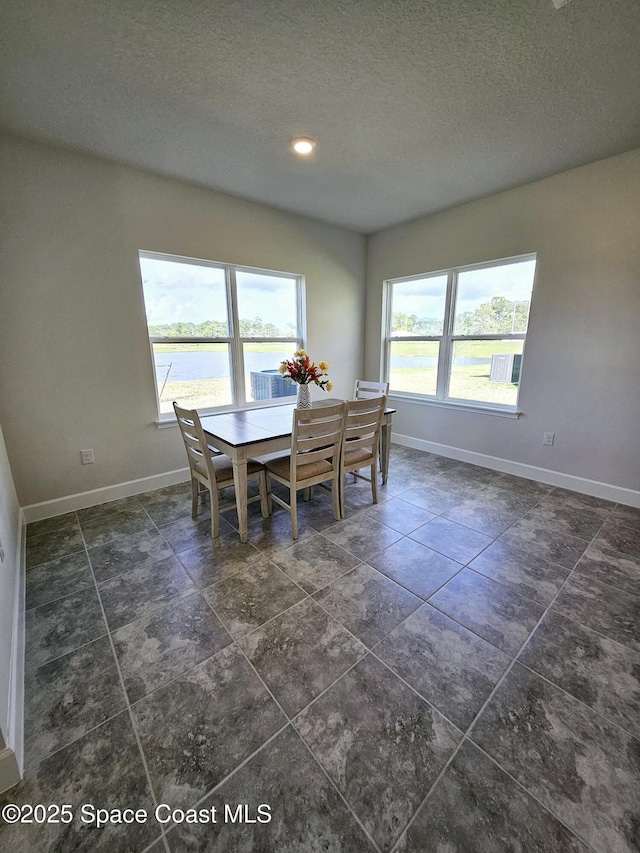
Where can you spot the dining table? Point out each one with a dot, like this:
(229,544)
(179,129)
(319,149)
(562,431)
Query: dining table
(245,434)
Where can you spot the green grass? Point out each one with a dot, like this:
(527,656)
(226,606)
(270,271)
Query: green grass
(257,347)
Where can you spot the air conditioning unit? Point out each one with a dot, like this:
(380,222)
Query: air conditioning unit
(505,367)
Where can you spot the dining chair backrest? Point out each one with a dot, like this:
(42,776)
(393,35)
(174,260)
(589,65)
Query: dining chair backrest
(362,427)
(366,390)
(195,442)
(317,435)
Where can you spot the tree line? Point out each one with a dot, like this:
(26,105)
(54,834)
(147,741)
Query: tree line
(500,316)
(219,329)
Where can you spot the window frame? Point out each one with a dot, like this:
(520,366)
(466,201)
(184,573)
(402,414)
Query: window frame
(233,340)
(447,339)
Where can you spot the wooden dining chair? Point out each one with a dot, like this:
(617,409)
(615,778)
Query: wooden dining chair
(212,471)
(361,442)
(316,444)
(364,389)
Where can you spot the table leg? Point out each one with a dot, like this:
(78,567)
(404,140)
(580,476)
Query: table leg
(386,450)
(240,483)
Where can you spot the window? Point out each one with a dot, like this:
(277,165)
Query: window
(458,336)
(219,332)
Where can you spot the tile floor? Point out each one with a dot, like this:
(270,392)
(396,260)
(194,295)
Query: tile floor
(455,669)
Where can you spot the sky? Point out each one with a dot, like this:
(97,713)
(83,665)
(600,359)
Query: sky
(188,292)
(425,297)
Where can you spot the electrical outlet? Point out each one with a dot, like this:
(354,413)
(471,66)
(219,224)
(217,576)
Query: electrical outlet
(87,457)
(548,438)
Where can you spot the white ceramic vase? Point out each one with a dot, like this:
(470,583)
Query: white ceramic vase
(304,397)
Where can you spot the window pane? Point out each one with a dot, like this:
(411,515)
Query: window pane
(418,306)
(413,366)
(197,376)
(267,306)
(486,371)
(184,300)
(262,379)
(494,300)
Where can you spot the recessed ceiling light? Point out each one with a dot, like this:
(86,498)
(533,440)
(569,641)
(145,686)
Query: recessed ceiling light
(303,145)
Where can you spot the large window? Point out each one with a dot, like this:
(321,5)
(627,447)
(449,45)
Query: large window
(219,332)
(458,335)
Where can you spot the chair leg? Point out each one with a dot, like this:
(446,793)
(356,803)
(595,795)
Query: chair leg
(374,481)
(338,492)
(215,514)
(265,500)
(195,491)
(293,501)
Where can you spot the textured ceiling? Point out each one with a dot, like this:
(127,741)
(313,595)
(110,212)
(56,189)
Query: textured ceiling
(416,106)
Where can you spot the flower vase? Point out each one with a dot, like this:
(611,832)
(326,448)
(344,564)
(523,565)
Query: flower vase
(304,397)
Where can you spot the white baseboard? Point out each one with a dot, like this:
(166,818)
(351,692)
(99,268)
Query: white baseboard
(58,506)
(607,491)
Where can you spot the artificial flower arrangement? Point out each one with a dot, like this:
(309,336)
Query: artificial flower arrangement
(302,370)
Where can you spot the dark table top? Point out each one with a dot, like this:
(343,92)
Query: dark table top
(251,426)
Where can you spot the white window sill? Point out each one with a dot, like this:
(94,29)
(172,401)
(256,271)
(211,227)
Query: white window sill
(457,405)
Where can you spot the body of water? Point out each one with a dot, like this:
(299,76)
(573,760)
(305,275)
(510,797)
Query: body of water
(187,366)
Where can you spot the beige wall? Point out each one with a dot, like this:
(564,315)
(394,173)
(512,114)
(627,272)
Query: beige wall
(75,367)
(581,375)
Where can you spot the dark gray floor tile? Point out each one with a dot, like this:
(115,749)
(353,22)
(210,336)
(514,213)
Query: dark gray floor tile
(569,516)
(497,614)
(480,516)
(214,560)
(141,591)
(546,541)
(300,653)
(253,596)
(432,498)
(116,527)
(315,562)
(521,571)
(416,567)
(358,496)
(508,500)
(599,672)
(453,540)
(104,769)
(452,668)
(51,546)
(581,767)
(158,647)
(610,611)
(627,515)
(197,729)
(57,578)
(610,567)
(68,521)
(569,497)
(476,808)
(272,535)
(615,534)
(362,536)
(317,512)
(381,744)
(307,813)
(399,514)
(61,626)
(130,505)
(531,489)
(186,533)
(367,603)
(131,552)
(68,696)
(169,504)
